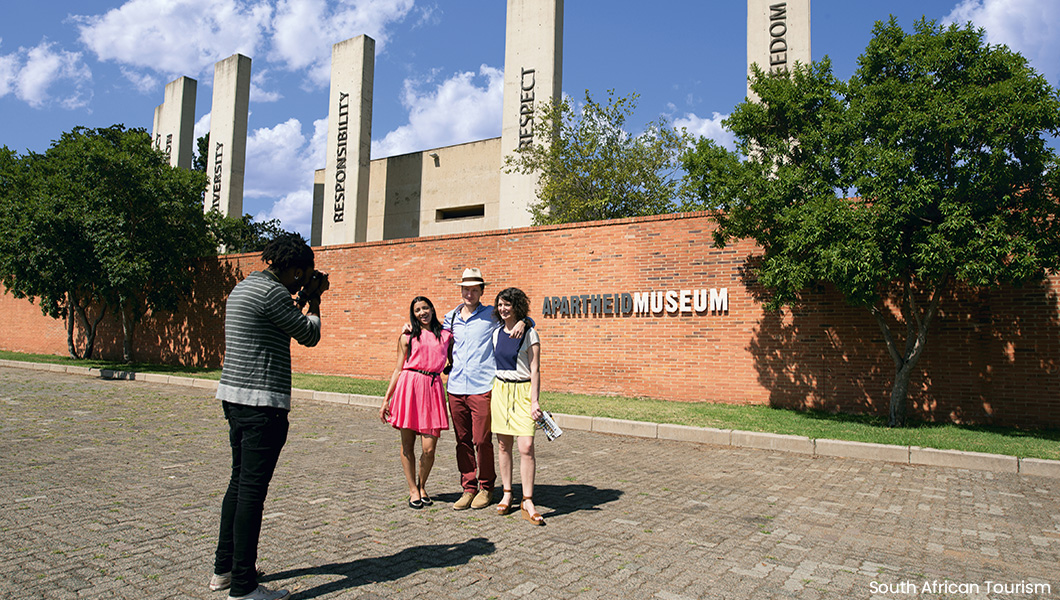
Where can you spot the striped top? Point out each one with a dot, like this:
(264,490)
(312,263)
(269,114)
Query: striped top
(260,320)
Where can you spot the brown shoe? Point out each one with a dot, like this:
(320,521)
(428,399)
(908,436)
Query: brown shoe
(464,502)
(482,499)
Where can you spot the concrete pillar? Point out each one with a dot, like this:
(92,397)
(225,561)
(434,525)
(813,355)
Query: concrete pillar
(533,76)
(174,122)
(156,127)
(318,207)
(228,135)
(778,35)
(345,215)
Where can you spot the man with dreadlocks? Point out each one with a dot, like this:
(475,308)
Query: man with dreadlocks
(255,393)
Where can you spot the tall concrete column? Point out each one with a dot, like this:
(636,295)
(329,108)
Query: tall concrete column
(533,76)
(778,35)
(318,207)
(345,214)
(226,163)
(174,122)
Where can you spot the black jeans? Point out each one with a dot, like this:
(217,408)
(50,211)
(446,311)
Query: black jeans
(257,435)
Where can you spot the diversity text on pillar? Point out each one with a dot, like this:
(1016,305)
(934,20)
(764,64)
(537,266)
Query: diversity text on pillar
(218,157)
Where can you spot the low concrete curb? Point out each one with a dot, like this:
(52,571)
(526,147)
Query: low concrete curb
(1039,466)
(963,460)
(910,455)
(862,450)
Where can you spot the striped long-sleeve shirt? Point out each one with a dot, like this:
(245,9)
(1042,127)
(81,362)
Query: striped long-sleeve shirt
(260,320)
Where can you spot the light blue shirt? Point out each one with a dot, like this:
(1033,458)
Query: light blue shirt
(473,362)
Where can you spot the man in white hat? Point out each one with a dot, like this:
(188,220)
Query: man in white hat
(469,387)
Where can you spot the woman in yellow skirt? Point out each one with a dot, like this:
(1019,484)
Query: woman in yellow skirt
(514,405)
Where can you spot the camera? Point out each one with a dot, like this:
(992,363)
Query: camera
(313,287)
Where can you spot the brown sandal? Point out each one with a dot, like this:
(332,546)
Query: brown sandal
(502,508)
(535,517)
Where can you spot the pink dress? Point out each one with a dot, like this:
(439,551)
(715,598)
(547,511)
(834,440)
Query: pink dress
(418,402)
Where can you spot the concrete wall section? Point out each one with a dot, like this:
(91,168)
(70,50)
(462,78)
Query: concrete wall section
(228,135)
(533,76)
(435,192)
(318,207)
(778,34)
(345,217)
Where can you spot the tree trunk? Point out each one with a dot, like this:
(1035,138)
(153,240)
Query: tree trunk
(70,346)
(900,396)
(917,323)
(88,328)
(127,328)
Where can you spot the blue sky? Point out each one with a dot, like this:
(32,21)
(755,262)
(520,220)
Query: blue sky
(438,68)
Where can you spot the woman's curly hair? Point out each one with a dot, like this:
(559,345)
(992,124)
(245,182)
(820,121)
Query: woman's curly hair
(517,298)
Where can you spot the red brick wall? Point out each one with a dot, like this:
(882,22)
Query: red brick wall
(992,357)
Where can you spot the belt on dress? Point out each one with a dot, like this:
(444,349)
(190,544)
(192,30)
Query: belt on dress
(514,380)
(431,373)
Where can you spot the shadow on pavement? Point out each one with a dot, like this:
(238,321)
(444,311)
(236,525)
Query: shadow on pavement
(561,499)
(566,499)
(386,568)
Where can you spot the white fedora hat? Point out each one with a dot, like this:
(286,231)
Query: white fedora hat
(472,276)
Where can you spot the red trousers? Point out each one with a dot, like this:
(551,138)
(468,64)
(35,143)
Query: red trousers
(474,440)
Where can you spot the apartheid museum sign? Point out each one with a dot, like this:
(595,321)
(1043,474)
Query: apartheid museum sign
(622,304)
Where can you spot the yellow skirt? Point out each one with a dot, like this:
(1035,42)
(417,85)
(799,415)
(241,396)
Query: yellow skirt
(510,408)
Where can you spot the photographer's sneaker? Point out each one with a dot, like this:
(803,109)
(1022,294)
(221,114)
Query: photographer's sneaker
(223,581)
(263,593)
(220,581)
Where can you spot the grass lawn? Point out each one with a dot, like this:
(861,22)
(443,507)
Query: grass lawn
(814,424)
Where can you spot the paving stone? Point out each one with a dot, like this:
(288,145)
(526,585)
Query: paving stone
(111,489)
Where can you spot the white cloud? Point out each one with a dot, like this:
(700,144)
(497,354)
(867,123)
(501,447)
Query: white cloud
(258,93)
(708,128)
(202,126)
(305,30)
(294,211)
(176,37)
(1030,27)
(143,82)
(280,163)
(44,74)
(463,108)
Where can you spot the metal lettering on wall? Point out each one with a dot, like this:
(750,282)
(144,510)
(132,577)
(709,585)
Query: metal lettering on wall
(169,145)
(623,304)
(778,31)
(217,162)
(340,156)
(526,107)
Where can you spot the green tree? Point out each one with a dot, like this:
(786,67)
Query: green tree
(238,235)
(941,138)
(589,168)
(202,149)
(101,223)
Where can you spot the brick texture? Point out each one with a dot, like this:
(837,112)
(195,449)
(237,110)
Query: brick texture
(992,356)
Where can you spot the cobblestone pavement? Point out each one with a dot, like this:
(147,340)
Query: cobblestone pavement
(111,489)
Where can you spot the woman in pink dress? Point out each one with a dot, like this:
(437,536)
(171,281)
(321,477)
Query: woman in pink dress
(415,400)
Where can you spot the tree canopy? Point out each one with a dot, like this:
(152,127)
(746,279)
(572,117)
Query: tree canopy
(590,168)
(100,222)
(928,168)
